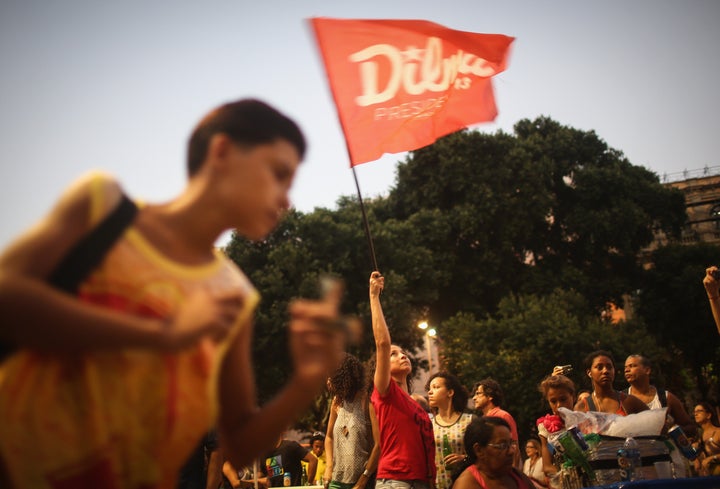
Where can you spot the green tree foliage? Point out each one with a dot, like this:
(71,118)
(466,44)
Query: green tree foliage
(673,303)
(474,221)
(547,207)
(289,262)
(520,344)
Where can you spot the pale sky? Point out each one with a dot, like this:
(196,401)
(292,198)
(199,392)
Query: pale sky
(118,86)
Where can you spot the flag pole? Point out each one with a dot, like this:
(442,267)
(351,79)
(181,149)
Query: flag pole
(365,221)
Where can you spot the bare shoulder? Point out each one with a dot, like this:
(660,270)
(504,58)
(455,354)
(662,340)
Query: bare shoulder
(466,481)
(36,252)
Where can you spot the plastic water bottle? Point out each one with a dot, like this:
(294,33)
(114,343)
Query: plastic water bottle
(629,460)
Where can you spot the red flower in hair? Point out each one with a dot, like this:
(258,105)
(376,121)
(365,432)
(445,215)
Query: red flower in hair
(551,422)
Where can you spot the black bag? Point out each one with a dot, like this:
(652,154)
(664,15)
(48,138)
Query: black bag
(86,254)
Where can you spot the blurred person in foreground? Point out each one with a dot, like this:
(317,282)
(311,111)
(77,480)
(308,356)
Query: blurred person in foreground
(114,386)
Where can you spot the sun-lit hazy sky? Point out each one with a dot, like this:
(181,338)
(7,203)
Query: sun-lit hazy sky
(88,84)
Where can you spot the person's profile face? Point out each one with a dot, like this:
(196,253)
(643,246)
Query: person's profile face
(480,398)
(438,393)
(259,180)
(700,414)
(500,451)
(634,369)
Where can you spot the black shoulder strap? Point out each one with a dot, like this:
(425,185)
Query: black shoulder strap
(590,403)
(91,249)
(661,393)
(87,254)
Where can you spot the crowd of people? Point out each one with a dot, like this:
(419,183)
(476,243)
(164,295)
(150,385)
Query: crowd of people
(127,336)
(390,438)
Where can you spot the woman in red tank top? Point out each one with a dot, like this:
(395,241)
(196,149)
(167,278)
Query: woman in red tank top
(490,450)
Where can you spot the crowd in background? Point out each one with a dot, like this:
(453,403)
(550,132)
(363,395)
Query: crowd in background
(380,435)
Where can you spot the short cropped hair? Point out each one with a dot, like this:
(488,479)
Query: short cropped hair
(644,361)
(247,122)
(480,431)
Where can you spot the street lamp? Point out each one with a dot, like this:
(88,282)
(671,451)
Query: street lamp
(429,333)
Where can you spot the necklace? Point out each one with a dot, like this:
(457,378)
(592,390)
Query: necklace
(436,418)
(597,402)
(531,469)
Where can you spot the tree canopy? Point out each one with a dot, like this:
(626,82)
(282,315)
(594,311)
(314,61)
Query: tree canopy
(511,243)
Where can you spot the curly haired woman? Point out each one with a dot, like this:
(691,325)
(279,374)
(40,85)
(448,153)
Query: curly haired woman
(351,444)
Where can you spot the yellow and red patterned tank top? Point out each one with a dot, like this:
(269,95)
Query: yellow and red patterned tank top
(118,419)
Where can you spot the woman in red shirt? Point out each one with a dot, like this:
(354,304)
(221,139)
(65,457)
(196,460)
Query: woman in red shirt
(407,444)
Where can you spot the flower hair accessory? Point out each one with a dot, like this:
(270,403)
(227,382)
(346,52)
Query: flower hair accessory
(551,422)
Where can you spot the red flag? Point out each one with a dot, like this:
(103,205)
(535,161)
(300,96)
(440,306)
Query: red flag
(401,84)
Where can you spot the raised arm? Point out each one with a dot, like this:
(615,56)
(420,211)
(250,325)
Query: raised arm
(381,334)
(712,287)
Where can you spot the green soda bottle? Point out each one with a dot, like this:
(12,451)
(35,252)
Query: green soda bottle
(446,450)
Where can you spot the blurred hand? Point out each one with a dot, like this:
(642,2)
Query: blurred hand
(317,340)
(203,314)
